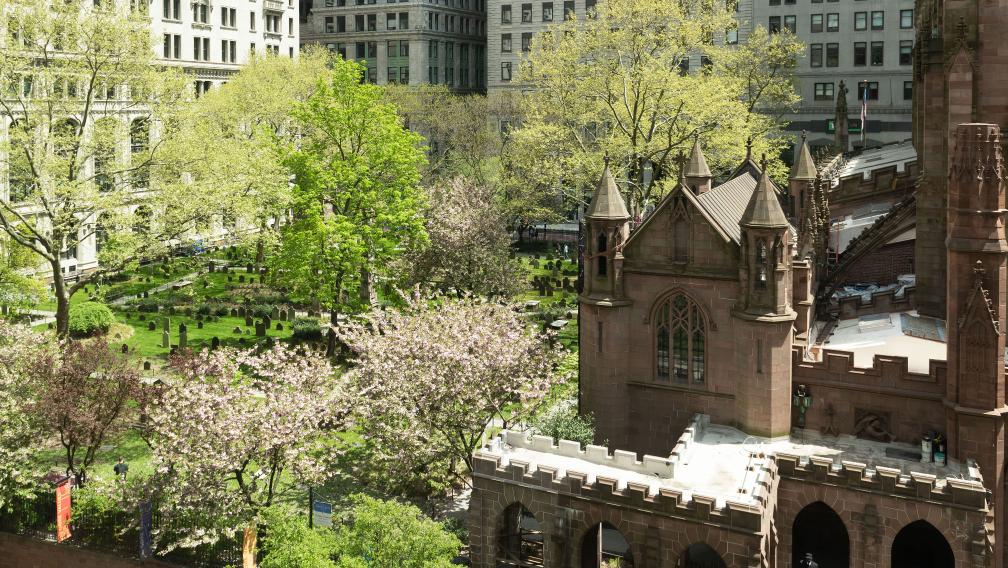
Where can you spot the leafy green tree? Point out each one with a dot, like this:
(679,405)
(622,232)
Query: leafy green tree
(18,291)
(618,83)
(356,200)
(387,534)
(290,543)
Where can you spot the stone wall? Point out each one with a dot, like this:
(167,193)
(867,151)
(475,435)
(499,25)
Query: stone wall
(23,552)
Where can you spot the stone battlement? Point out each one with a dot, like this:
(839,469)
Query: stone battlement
(886,371)
(967,492)
(895,300)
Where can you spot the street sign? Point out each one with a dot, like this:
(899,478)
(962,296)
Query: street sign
(322,514)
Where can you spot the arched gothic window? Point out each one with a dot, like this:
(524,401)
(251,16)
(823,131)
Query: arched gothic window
(602,246)
(680,341)
(761,264)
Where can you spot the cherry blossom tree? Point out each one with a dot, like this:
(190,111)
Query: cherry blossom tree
(20,431)
(83,392)
(432,377)
(232,432)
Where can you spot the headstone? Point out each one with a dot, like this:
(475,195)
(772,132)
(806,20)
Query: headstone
(165,339)
(275,314)
(206,284)
(279,326)
(151,326)
(234,312)
(566,282)
(251,280)
(283,315)
(241,278)
(549,290)
(531,305)
(542,288)
(535,263)
(199,324)
(237,330)
(210,267)
(260,328)
(182,327)
(248,332)
(248,320)
(241,311)
(125,348)
(230,278)
(166,323)
(249,268)
(549,265)
(268,321)
(241,341)
(214,342)
(262,271)
(142,317)
(146,294)
(555,272)
(147,366)
(183,338)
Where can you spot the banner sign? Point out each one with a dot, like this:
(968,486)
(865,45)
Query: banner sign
(145,530)
(63,511)
(322,514)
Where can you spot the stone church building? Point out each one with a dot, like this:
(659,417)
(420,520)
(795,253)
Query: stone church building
(742,421)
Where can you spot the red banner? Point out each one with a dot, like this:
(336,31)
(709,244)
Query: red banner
(63,511)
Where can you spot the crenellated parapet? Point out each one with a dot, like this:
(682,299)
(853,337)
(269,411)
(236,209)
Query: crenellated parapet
(887,371)
(967,491)
(885,301)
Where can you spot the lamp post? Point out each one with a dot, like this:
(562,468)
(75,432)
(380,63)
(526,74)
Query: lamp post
(802,400)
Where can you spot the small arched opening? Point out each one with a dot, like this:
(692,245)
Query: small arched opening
(921,545)
(819,531)
(700,555)
(520,542)
(604,546)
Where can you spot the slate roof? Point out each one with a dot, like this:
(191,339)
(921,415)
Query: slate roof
(764,208)
(607,203)
(727,202)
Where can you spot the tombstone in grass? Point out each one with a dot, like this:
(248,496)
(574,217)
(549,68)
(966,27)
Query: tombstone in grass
(549,265)
(210,267)
(542,288)
(555,272)
(151,326)
(248,320)
(566,282)
(248,332)
(275,314)
(214,343)
(142,317)
(267,321)
(279,326)
(237,330)
(147,366)
(165,339)
(241,341)
(241,311)
(234,312)
(146,294)
(249,268)
(260,328)
(166,323)
(241,278)
(535,263)
(251,280)
(125,348)
(183,337)
(230,278)
(549,290)
(199,324)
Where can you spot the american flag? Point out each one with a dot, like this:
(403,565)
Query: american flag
(864,112)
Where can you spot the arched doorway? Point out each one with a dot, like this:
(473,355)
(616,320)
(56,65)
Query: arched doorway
(520,539)
(604,546)
(819,531)
(920,545)
(700,555)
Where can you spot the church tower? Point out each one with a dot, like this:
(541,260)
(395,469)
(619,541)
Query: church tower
(803,174)
(697,174)
(763,317)
(608,227)
(976,283)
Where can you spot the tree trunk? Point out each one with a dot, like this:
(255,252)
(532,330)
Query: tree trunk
(62,298)
(331,338)
(249,546)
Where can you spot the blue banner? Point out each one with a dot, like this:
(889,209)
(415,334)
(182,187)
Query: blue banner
(145,529)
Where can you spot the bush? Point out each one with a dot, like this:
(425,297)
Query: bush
(90,318)
(387,533)
(260,311)
(306,329)
(204,309)
(221,311)
(149,305)
(289,543)
(562,422)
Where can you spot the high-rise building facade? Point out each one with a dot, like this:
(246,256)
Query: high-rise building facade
(866,44)
(212,40)
(441,42)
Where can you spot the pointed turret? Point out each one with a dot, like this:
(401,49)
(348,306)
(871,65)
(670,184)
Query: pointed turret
(698,175)
(607,203)
(803,173)
(764,209)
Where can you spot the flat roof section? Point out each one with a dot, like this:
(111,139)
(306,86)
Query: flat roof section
(898,334)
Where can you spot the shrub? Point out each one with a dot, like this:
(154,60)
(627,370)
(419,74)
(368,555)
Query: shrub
(204,309)
(149,305)
(306,329)
(387,533)
(90,318)
(562,422)
(221,311)
(260,311)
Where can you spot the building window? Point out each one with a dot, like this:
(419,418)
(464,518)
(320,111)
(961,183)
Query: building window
(824,91)
(404,48)
(816,23)
(201,12)
(601,250)
(906,19)
(791,24)
(832,55)
(547,12)
(506,71)
(762,260)
(506,14)
(907,90)
(526,13)
(330,25)
(871,88)
(860,53)
(878,20)
(391,23)
(505,43)
(568,8)
(832,22)
(815,55)
(906,52)
(877,53)
(526,41)
(860,21)
(589,8)
(774,24)
(680,341)
(139,142)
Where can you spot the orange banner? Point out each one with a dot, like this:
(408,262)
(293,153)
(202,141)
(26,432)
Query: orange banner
(63,511)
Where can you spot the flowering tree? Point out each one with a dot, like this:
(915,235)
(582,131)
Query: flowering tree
(235,424)
(84,388)
(20,432)
(432,377)
(469,241)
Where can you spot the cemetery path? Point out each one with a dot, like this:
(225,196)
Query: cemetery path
(42,317)
(166,286)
